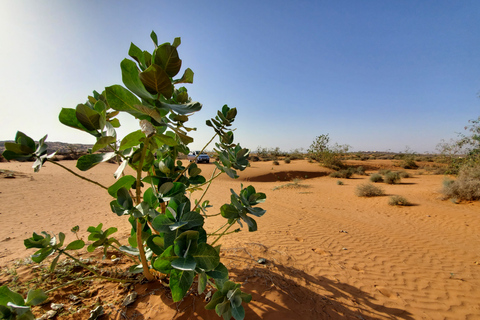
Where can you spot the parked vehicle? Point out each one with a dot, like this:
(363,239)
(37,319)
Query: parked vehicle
(200,157)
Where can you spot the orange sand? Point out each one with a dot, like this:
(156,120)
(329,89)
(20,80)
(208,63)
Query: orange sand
(330,254)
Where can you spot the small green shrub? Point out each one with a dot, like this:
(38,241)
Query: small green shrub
(465,187)
(287,160)
(340,183)
(391,178)
(360,171)
(404,174)
(408,163)
(276,163)
(376,177)
(398,201)
(384,171)
(368,190)
(345,174)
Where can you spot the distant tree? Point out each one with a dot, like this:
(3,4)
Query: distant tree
(329,156)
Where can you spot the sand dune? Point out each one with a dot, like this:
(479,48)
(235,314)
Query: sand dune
(329,253)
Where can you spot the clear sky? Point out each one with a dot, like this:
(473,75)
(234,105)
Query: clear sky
(377,75)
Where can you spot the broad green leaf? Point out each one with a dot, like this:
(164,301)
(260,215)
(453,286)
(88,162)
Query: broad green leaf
(137,54)
(194,219)
(186,78)
(151,112)
(184,108)
(121,99)
(206,256)
(188,263)
(238,312)
(131,140)
(156,244)
(125,181)
(217,298)
(164,262)
(23,139)
(35,297)
(42,254)
(166,56)
(219,273)
(176,42)
(180,282)
(131,79)
(130,250)
(19,148)
(224,309)
(88,161)
(162,223)
(88,117)
(156,80)
(167,139)
(154,38)
(124,199)
(103,142)
(186,243)
(54,263)
(75,245)
(7,295)
(68,117)
(202,282)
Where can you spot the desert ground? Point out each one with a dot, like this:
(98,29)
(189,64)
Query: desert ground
(329,254)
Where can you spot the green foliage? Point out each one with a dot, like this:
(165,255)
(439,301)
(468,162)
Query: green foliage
(340,182)
(14,306)
(227,301)
(392,178)
(368,190)
(167,231)
(345,174)
(465,187)
(376,177)
(329,156)
(398,201)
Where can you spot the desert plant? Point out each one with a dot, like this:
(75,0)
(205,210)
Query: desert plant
(368,190)
(465,187)
(345,174)
(384,171)
(392,178)
(404,174)
(287,160)
(329,156)
(168,232)
(376,177)
(398,201)
(340,182)
(14,306)
(276,163)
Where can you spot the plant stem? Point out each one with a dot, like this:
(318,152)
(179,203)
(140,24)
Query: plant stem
(76,174)
(141,251)
(206,189)
(226,223)
(223,233)
(80,263)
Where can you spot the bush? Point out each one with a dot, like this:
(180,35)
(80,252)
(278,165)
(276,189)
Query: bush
(340,182)
(408,163)
(465,187)
(384,171)
(404,174)
(398,201)
(276,163)
(376,177)
(287,160)
(392,178)
(360,171)
(345,174)
(368,190)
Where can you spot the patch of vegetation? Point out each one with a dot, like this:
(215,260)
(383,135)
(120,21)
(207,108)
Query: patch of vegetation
(392,178)
(376,177)
(344,174)
(368,190)
(276,163)
(295,184)
(329,156)
(398,201)
(287,160)
(340,182)
(465,187)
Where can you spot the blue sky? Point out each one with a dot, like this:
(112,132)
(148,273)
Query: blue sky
(377,75)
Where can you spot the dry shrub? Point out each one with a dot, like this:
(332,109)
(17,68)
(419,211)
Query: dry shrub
(392,178)
(368,190)
(398,201)
(404,174)
(465,187)
(345,174)
(376,177)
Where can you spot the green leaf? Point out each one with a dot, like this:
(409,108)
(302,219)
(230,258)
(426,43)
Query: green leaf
(7,295)
(121,99)
(206,256)
(68,117)
(186,78)
(88,117)
(167,139)
(130,250)
(180,282)
(184,108)
(202,282)
(42,254)
(75,245)
(137,54)
(156,80)
(186,243)
(131,79)
(166,56)
(194,219)
(88,161)
(103,142)
(164,262)
(176,42)
(23,139)
(18,148)
(238,312)
(125,181)
(35,297)
(188,263)
(124,199)
(220,273)
(162,223)
(151,112)
(132,139)
(156,244)
(154,38)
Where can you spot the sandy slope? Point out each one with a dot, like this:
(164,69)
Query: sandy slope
(330,254)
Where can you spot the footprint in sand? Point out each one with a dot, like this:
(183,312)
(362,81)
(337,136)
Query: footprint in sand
(321,251)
